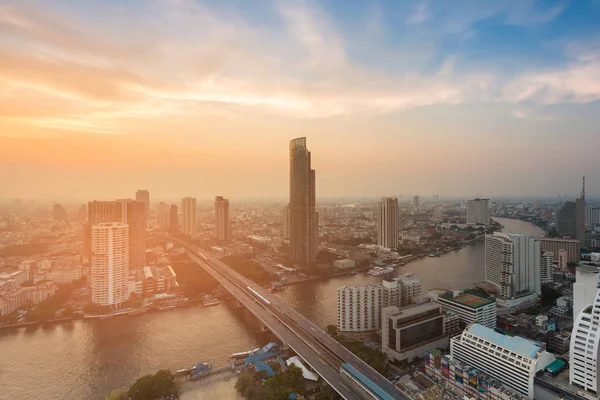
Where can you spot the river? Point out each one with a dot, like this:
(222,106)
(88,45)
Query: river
(85,360)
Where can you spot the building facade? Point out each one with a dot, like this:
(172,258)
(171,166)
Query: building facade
(469,307)
(585,288)
(110,261)
(546,267)
(303,215)
(359,308)
(571,246)
(222,228)
(387,222)
(286,222)
(570,220)
(188,208)
(410,289)
(478,211)
(173,219)
(584,354)
(143,196)
(162,216)
(512,360)
(512,265)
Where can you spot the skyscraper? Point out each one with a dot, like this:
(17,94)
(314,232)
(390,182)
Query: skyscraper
(570,219)
(286,222)
(478,211)
(174,220)
(387,227)
(143,196)
(512,265)
(110,260)
(222,231)
(162,214)
(188,207)
(303,217)
(585,347)
(417,201)
(98,212)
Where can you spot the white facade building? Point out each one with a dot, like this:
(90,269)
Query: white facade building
(546,267)
(387,223)
(585,346)
(110,263)
(510,359)
(585,288)
(512,265)
(188,207)
(410,289)
(470,308)
(391,293)
(478,211)
(359,308)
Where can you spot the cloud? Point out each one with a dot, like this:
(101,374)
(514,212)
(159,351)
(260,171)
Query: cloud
(419,15)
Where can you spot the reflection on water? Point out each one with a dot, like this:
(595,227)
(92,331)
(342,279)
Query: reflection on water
(87,359)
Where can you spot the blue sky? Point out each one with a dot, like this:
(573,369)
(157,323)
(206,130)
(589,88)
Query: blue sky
(418,92)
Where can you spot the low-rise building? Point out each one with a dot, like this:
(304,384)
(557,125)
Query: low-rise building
(345,263)
(559,342)
(470,308)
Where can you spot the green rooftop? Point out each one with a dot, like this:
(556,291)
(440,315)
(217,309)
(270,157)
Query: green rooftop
(469,300)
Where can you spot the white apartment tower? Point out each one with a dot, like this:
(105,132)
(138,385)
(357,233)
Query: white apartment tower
(359,308)
(387,223)
(391,293)
(585,348)
(222,227)
(188,207)
(478,211)
(546,267)
(585,288)
(110,263)
(512,265)
(410,289)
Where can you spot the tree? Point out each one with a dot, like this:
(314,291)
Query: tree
(117,394)
(154,387)
(243,382)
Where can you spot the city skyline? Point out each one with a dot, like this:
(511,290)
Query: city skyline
(413,92)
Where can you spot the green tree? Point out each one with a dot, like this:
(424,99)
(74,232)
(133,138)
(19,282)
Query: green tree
(244,381)
(154,387)
(117,394)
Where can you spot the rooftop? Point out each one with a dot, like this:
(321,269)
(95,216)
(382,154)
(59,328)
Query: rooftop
(516,344)
(469,300)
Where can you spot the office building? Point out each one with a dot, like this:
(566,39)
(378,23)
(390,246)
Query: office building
(98,212)
(469,307)
(512,266)
(173,219)
(561,259)
(510,359)
(478,211)
(359,308)
(417,201)
(143,196)
(60,214)
(570,219)
(222,228)
(410,289)
(546,267)
(133,213)
(110,263)
(407,332)
(162,216)
(188,209)
(82,213)
(387,222)
(286,222)
(303,215)
(554,246)
(584,354)
(585,288)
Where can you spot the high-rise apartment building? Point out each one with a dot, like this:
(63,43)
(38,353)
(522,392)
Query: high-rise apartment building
(303,215)
(417,201)
(512,265)
(222,227)
(173,219)
(162,216)
(585,288)
(387,226)
(512,360)
(546,267)
(188,208)
(60,214)
(143,196)
(570,220)
(478,211)
(554,245)
(286,222)
(390,295)
(98,212)
(110,263)
(584,357)
(410,289)
(359,308)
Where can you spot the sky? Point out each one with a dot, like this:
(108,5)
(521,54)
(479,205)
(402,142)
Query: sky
(99,98)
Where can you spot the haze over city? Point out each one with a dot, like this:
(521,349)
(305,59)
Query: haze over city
(198,98)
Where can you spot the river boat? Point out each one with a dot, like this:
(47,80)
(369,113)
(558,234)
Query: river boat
(210,302)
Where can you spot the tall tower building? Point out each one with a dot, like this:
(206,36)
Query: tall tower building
(584,355)
(174,220)
(303,216)
(387,228)
(478,211)
(417,201)
(286,222)
(110,262)
(162,213)
(188,207)
(143,196)
(98,212)
(512,265)
(222,229)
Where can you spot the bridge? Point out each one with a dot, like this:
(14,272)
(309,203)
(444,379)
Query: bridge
(326,356)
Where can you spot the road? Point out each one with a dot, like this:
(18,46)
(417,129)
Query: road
(324,354)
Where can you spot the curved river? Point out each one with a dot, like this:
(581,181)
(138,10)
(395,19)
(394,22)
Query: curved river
(85,360)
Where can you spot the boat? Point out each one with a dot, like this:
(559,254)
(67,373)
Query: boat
(211,302)
(165,308)
(376,271)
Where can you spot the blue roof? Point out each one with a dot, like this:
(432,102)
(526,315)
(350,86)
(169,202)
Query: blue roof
(375,389)
(519,345)
(252,358)
(261,366)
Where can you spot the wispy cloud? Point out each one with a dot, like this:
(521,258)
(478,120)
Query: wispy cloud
(419,15)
